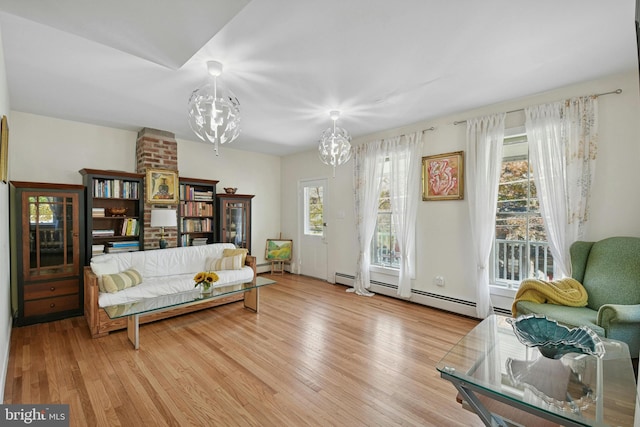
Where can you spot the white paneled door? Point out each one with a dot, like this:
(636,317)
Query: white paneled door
(312,254)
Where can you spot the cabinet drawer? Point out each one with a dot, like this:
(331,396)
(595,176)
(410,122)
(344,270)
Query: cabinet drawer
(51,305)
(51,289)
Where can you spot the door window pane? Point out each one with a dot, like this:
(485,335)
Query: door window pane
(313,211)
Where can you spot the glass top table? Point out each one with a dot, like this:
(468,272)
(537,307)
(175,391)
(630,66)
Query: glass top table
(575,390)
(132,311)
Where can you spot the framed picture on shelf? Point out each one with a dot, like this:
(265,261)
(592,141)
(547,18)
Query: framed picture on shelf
(443,176)
(279,250)
(4,151)
(162,186)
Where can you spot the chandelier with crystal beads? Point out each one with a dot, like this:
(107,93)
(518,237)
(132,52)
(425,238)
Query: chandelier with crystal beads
(214,111)
(334,146)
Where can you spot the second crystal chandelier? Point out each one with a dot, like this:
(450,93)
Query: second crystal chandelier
(335,147)
(214,111)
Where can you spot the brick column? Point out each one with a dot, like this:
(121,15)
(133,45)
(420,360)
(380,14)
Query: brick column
(156,149)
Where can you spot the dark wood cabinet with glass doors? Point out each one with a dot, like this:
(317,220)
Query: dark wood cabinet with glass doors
(46,246)
(234,219)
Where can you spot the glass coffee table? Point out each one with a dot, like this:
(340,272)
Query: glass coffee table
(133,311)
(489,363)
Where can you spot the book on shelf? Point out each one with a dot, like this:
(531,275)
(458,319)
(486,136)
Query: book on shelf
(203,195)
(196,209)
(130,227)
(198,241)
(111,250)
(97,249)
(196,225)
(102,233)
(187,192)
(124,244)
(115,189)
(97,212)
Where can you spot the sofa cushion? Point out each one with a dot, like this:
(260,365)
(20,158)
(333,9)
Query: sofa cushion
(234,252)
(224,263)
(102,265)
(165,262)
(168,285)
(569,316)
(118,281)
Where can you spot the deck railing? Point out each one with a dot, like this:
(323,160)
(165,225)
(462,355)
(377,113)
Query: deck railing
(510,256)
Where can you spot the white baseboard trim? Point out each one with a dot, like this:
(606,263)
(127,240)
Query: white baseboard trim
(344,279)
(263,268)
(454,305)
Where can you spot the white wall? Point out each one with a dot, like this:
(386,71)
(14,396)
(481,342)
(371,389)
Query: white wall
(5,294)
(443,227)
(51,150)
(251,173)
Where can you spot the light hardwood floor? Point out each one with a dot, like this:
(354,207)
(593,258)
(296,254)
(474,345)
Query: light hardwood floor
(314,355)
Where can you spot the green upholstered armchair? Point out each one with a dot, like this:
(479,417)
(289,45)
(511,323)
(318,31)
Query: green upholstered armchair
(610,272)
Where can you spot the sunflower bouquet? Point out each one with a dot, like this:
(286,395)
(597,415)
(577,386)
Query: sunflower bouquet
(206,279)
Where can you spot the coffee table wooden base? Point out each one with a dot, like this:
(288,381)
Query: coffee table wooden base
(251,301)
(133,330)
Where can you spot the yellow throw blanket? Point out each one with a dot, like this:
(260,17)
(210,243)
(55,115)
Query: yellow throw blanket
(566,291)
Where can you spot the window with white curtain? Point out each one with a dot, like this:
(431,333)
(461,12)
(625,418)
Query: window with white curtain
(520,248)
(384,249)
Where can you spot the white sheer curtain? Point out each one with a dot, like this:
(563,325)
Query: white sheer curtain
(406,162)
(563,140)
(404,154)
(485,138)
(581,130)
(367,181)
(544,134)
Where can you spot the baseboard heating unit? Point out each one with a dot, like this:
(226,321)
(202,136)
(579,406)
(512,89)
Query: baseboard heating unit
(455,305)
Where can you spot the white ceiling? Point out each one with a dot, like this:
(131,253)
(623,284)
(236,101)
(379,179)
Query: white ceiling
(133,63)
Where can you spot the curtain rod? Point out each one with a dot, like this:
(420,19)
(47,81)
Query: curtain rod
(617,92)
(423,131)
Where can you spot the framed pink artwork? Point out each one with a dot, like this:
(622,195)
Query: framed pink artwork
(443,176)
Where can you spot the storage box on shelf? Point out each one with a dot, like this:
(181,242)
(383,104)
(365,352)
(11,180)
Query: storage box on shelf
(114,211)
(196,212)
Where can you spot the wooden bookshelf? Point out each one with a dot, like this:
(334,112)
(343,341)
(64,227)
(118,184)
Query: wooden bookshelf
(196,212)
(114,211)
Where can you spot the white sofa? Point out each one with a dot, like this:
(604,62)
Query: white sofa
(164,272)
